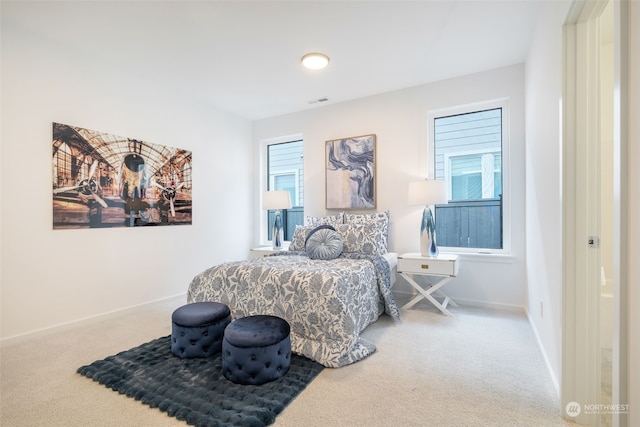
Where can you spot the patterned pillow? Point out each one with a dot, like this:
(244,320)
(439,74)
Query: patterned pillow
(363,238)
(299,237)
(334,220)
(324,243)
(366,218)
(378,220)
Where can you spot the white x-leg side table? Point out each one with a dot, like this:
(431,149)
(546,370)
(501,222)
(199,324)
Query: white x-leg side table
(444,267)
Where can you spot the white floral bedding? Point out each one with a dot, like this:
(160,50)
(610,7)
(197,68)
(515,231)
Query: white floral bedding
(326,302)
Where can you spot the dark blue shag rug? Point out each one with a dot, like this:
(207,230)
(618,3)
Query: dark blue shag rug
(194,390)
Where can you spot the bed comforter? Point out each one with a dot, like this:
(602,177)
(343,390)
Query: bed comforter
(326,302)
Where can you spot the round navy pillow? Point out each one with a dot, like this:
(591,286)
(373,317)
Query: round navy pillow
(324,243)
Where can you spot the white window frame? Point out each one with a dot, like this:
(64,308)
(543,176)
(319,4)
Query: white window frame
(263,182)
(447,164)
(502,103)
(296,174)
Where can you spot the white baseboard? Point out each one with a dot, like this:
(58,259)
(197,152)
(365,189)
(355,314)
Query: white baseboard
(554,379)
(491,305)
(474,303)
(49,329)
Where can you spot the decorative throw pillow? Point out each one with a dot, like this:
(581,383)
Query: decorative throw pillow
(363,238)
(334,220)
(320,227)
(380,223)
(324,242)
(299,238)
(366,218)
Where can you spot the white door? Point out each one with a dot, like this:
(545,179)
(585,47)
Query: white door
(594,343)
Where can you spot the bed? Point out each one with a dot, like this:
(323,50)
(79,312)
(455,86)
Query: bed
(328,302)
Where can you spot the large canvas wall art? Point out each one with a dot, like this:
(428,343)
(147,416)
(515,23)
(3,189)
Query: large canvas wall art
(102,180)
(350,173)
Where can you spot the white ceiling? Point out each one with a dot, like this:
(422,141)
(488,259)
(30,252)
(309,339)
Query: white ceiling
(244,56)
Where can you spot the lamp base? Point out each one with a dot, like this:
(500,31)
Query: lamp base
(277,234)
(428,247)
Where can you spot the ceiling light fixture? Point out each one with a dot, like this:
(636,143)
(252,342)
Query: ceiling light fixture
(315,61)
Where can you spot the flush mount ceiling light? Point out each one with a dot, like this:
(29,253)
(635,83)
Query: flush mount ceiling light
(315,61)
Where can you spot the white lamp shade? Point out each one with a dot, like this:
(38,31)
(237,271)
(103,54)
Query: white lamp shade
(276,200)
(428,192)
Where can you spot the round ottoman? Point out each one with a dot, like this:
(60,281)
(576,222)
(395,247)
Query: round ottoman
(256,349)
(197,329)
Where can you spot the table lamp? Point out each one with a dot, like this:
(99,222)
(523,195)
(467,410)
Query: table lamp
(277,200)
(426,193)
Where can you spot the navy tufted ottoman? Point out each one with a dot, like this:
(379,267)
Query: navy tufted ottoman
(256,349)
(197,329)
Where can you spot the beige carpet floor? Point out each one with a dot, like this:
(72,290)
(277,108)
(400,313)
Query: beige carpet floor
(478,368)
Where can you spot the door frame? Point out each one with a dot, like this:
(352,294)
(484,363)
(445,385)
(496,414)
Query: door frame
(581,197)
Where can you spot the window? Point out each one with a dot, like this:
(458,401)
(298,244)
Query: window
(285,171)
(468,146)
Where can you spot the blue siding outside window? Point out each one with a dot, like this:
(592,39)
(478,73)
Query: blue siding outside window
(468,156)
(285,170)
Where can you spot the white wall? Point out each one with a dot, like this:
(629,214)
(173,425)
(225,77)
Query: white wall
(399,120)
(544,183)
(54,277)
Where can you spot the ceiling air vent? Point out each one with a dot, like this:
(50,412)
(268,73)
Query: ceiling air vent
(315,101)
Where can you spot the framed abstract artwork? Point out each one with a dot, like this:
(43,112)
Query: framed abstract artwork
(350,178)
(102,180)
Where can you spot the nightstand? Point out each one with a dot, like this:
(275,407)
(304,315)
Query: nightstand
(442,269)
(262,251)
